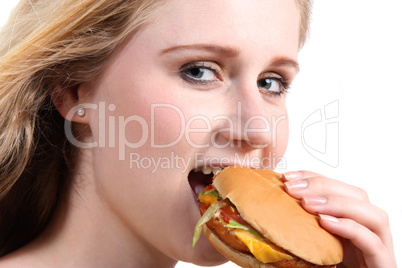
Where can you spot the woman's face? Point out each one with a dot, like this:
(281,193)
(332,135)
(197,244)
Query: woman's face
(202,85)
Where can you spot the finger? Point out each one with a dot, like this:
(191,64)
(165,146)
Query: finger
(362,212)
(322,186)
(375,253)
(298,175)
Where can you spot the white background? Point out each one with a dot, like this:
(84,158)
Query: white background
(354,61)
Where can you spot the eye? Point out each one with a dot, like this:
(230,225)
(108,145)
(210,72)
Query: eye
(269,84)
(200,73)
(274,85)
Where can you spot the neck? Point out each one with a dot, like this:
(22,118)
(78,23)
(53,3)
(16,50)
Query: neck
(84,232)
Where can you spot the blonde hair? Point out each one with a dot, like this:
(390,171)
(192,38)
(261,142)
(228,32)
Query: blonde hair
(305,7)
(44,44)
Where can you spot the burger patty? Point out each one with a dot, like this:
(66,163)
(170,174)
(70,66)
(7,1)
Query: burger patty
(217,227)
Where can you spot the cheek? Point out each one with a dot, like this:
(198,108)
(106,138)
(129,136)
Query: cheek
(168,124)
(280,133)
(279,139)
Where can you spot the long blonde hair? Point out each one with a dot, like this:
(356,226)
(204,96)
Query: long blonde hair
(47,43)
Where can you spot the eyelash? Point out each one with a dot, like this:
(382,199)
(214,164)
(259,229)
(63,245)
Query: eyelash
(199,65)
(283,81)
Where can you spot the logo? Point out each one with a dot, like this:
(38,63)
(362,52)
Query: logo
(320,134)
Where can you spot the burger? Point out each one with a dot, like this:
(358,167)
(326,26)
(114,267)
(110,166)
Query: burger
(247,216)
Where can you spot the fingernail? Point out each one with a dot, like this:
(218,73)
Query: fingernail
(293,175)
(296,185)
(328,218)
(314,200)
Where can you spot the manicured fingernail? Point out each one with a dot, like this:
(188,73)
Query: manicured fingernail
(293,175)
(296,185)
(314,200)
(328,218)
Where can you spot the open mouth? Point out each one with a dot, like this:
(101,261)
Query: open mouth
(199,178)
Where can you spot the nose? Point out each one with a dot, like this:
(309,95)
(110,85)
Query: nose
(248,122)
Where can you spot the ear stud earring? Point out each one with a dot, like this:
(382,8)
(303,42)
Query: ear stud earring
(81,112)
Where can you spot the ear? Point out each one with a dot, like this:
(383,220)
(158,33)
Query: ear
(68,102)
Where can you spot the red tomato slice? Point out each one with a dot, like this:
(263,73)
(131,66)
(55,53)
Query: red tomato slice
(209,187)
(229,213)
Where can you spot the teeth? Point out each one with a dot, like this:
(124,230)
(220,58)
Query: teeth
(209,170)
(206,170)
(215,170)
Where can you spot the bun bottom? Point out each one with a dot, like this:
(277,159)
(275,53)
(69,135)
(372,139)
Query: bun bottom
(239,258)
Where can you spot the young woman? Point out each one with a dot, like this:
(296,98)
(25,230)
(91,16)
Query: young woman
(108,106)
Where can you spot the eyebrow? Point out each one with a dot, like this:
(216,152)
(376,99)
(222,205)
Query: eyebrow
(224,51)
(283,61)
(229,52)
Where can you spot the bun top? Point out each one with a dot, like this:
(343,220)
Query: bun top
(261,199)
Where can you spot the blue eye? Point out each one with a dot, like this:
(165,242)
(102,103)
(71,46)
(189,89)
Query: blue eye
(200,73)
(274,86)
(269,84)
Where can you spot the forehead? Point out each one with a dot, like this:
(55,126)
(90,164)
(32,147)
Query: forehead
(256,24)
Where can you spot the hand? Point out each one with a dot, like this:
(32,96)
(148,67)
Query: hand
(346,211)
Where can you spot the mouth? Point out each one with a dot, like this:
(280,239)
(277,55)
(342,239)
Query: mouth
(199,178)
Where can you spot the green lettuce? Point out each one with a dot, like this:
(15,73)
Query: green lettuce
(212,192)
(237,225)
(206,217)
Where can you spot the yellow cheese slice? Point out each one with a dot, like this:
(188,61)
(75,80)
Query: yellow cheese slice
(261,250)
(208,199)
